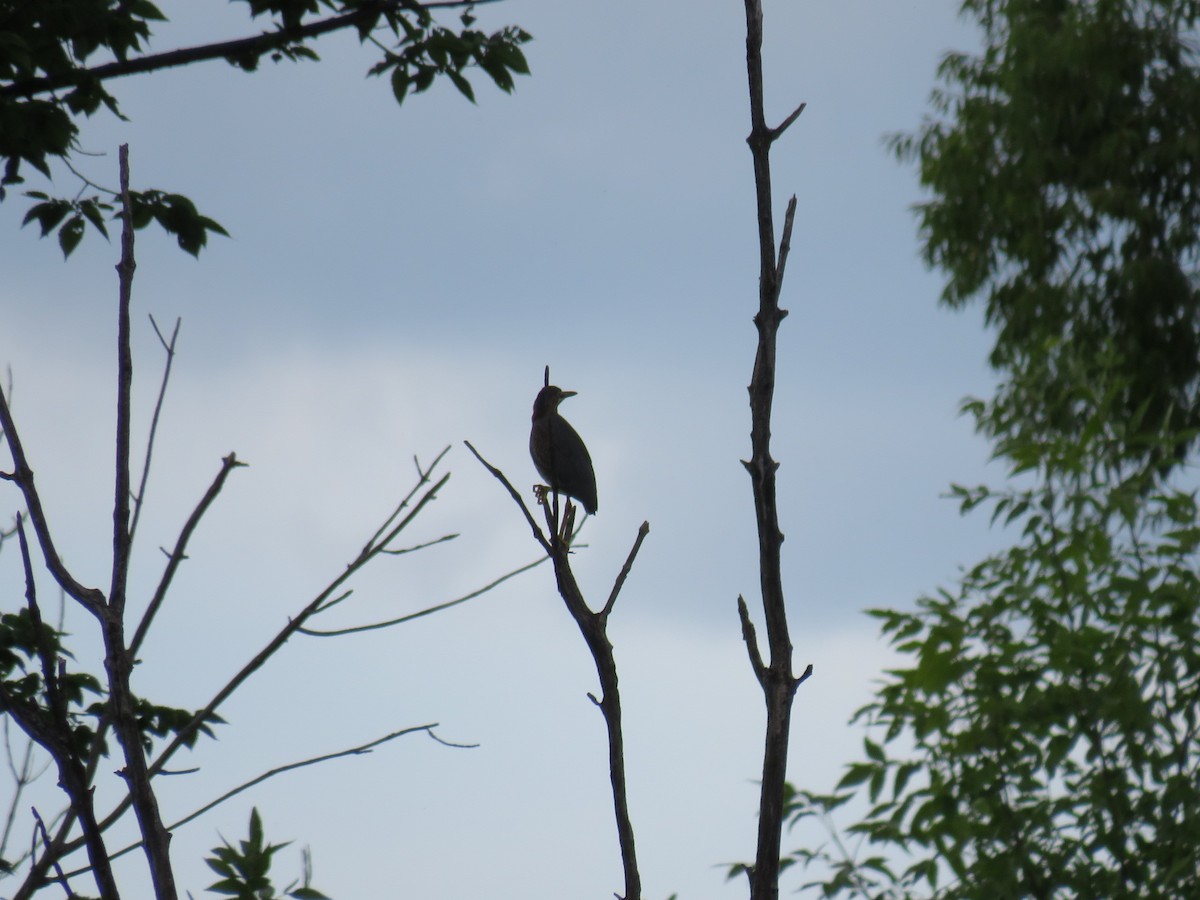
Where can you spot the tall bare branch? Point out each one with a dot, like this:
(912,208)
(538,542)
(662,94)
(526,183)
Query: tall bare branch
(776,678)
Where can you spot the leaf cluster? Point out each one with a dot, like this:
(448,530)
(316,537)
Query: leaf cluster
(1042,736)
(49,701)
(49,81)
(1064,193)
(245,869)
(174,213)
(51,710)
(426,50)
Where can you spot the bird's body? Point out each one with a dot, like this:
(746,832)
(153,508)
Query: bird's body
(558,451)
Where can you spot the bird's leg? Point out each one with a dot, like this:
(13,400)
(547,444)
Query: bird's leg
(568,524)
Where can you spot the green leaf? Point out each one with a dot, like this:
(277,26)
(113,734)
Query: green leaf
(464,87)
(70,235)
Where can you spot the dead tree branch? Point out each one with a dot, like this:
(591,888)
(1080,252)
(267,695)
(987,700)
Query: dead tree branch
(279,770)
(775,677)
(118,661)
(140,497)
(594,628)
(314,632)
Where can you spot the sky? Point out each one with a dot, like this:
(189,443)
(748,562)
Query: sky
(394,282)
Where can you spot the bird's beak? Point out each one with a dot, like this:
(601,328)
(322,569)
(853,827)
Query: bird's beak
(565,394)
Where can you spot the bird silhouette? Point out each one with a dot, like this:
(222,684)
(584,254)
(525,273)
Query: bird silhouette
(558,451)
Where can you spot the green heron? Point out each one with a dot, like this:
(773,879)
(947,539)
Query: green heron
(558,451)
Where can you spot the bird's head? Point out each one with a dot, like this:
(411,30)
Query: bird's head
(548,399)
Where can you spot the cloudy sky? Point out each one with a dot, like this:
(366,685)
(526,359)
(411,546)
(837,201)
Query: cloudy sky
(395,281)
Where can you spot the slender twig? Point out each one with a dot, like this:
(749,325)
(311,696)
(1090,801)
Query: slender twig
(402,551)
(279,770)
(253,46)
(422,479)
(228,464)
(22,776)
(777,132)
(62,878)
(140,498)
(750,636)
(91,599)
(785,242)
(533,525)
(625,569)
(424,612)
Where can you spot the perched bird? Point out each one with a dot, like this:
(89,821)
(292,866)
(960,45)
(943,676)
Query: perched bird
(558,451)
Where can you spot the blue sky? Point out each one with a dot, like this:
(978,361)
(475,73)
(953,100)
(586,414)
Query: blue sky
(394,282)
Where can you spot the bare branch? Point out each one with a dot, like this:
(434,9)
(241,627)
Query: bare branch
(22,776)
(118,661)
(279,770)
(533,525)
(169,346)
(51,728)
(775,677)
(624,573)
(326,598)
(425,612)
(785,243)
(751,638)
(401,551)
(777,132)
(593,627)
(423,475)
(291,628)
(121,521)
(62,879)
(92,599)
(228,464)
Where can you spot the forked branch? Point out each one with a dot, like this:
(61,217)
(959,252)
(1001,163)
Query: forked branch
(593,626)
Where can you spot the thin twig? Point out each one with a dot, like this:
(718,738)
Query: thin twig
(785,242)
(624,573)
(321,601)
(279,770)
(533,525)
(751,639)
(228,464)
(62,879)
(139,500)
(22,776)
(422,479)
(777,132)
(91,599)
(401,551)
(313,632)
